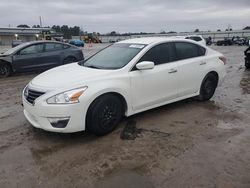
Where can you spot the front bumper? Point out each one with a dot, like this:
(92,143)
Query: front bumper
(38,115)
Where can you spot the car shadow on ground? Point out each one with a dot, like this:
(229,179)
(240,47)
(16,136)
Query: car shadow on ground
(86,136)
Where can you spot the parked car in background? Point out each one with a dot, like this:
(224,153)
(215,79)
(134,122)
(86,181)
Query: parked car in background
(224,42)
(77,42)
(209,41)
(247,58)
(197,38)
(37,56)
(240,41)
(125,78)
(16,43)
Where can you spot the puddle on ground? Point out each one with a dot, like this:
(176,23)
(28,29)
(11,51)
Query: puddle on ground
(131,132)
(125,179)
(227,125)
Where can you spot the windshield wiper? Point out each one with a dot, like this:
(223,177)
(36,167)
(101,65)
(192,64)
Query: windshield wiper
(91,66)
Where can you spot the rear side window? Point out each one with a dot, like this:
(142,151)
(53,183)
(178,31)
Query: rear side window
(186,50)
(53,46)
(162,53)
(65,46)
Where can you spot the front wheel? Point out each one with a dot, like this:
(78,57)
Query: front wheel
(104,114)
(208,87)
(5,70)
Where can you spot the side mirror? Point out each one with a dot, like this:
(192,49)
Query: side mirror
(144,65)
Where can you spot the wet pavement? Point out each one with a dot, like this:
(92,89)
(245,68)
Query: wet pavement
(185,144)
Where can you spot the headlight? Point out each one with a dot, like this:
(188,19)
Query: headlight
(67,97)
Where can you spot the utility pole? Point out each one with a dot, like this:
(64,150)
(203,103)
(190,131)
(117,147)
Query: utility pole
(40,18)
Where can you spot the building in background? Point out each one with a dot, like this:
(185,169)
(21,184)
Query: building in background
(8,35)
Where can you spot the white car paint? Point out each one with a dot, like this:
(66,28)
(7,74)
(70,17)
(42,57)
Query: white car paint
(141,89)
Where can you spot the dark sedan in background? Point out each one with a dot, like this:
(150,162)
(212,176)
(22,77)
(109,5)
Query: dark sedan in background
(38,56)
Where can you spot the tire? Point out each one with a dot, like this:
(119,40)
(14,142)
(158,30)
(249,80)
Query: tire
(247,63)
(208,87)
(104,114)
(5,70)
(69,59)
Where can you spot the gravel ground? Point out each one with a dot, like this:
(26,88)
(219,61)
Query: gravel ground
(185,144)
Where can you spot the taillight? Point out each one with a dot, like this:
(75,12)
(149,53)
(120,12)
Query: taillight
(223,59)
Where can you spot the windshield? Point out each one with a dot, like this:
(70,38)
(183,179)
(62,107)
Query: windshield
(13,50)
(115,56)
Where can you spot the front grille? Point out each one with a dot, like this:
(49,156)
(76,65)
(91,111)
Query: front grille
(33,95)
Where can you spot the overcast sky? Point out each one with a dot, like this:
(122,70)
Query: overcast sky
(128,15)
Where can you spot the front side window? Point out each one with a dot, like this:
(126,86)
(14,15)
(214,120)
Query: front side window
(115,56)
(185,50)
(162,53)
(33,49)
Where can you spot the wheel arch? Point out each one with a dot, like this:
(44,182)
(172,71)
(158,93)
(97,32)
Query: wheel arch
(8,63)
(215,74)
(208,73)
(118,94)
(69,56)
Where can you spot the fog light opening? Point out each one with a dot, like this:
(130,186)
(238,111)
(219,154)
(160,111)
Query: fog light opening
(59,122)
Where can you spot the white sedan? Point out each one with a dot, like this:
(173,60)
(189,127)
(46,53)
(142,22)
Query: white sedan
(124,79)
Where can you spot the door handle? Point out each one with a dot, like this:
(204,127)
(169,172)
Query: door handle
(172,71)
(203,63)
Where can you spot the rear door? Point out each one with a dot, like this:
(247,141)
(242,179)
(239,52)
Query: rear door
(53,54)
(29,58)
(191,65)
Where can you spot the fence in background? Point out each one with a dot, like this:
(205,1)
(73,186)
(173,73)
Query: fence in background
(217,35)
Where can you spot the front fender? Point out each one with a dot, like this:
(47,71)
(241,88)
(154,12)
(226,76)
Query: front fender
(97,90)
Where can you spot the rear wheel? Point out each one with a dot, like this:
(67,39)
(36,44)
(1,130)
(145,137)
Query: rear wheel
(247,63)
(247,66)
(69,59)
(208,87)
(104,114)
(5,70)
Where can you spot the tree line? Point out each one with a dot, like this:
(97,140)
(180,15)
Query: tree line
(67,32)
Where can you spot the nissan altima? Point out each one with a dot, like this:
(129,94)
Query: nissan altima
(126,78)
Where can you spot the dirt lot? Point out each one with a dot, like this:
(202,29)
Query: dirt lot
(185,144)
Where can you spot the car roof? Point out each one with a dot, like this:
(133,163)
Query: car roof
(149,40)
(25,44)
(44,41)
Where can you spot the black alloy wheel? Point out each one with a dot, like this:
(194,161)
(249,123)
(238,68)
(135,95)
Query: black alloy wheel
(208,87)
(104,114)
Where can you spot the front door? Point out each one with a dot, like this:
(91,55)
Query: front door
(158,85)
(29,58)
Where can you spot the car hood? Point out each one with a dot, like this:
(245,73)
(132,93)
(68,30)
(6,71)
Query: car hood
(68,76)
(4,55)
